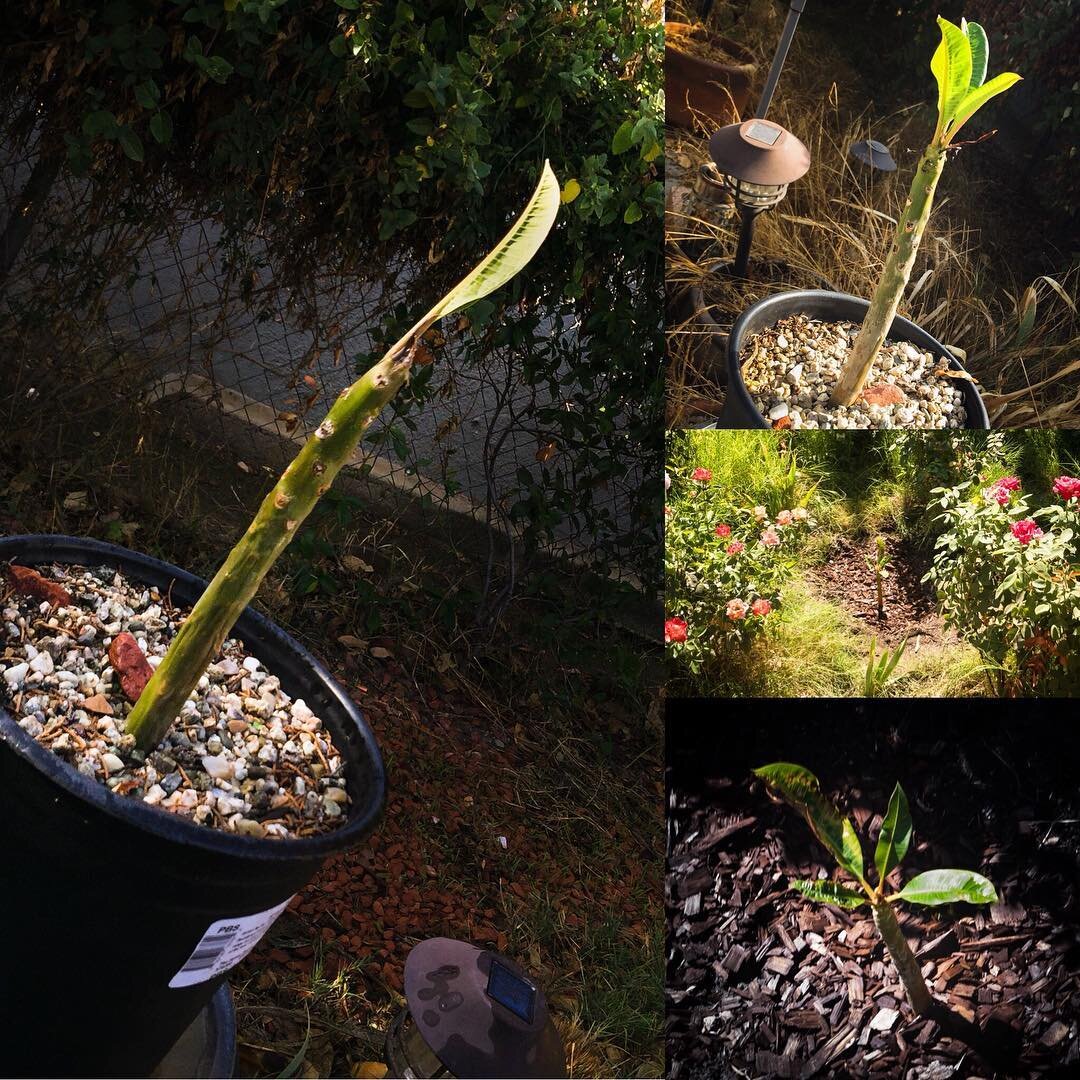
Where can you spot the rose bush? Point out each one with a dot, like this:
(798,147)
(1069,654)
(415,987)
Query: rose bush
(724,566)
(1008,578)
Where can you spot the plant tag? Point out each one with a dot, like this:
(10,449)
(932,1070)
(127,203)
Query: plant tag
(225,943)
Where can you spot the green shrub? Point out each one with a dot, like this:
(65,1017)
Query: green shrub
(1010,586)
(362,138)
(724,567)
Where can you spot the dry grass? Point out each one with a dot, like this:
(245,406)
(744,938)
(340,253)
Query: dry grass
(1021,339)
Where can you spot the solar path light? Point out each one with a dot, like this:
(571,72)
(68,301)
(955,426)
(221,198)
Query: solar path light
(756,161)
(471,1013)
(873,154)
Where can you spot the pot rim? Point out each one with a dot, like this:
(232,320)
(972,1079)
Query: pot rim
(746,60)
(734,348)
(173,827)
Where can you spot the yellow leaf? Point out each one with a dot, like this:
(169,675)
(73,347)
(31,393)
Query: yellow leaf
(652,152)
(509,256)
(368,1070)
(571,190)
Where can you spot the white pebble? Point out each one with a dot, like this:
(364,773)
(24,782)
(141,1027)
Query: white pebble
(218,767)
(300,711)
(15,674)
(111,763)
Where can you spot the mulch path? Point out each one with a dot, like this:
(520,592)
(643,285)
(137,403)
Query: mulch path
(764,983)
(910,608)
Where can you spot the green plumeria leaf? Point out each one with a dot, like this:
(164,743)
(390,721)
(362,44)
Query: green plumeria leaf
(853,857)
(800,788)
(509,256)
(980,51)
(830,892)
(951,65)
(895,834)
(948,887)
(976,99)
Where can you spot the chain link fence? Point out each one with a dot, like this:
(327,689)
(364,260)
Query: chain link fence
(153,291)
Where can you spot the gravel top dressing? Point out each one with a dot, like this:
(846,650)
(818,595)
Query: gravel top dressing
(243,757)
(792,368)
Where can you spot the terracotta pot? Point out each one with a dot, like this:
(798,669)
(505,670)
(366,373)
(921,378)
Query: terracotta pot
(694,85)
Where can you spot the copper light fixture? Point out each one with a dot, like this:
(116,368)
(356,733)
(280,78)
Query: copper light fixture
(756,160)
(471,1013)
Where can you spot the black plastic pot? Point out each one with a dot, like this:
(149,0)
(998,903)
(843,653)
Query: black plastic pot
(740,410)
(207,1049)
(713,329)
(104,899)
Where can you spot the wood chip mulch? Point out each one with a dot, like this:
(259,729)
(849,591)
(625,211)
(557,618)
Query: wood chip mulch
(910,608)
(764,983)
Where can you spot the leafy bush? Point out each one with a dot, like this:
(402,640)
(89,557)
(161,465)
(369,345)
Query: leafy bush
(1008,578)
(377,139)
(724,567)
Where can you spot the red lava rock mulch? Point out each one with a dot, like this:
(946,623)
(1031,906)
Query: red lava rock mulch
(130,663)
(28,582)
(764,983)
(437,864)
(910,608)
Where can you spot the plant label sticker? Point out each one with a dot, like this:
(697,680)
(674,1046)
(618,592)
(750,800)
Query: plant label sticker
(225,943)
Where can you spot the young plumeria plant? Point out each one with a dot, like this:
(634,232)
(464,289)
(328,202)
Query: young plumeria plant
(800,788)
(311,473)
(879,563)
(959,66)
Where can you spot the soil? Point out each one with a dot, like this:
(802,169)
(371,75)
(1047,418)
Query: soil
(845,579)
(242,756)
(763,983)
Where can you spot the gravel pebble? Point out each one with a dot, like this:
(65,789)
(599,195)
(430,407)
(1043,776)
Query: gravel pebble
(792,367)
(242,757)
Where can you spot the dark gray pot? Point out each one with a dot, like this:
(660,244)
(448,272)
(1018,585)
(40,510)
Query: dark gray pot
(740,410)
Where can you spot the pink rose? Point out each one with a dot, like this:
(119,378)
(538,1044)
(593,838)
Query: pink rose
(760,513)
(668,511)
(723,530)
(736,609)
(1068,487)
(702,476)
(770,538)
(760,607)
(667,482)
(736,547)
(784,517)
(998,495)
(1025,531)
(674,631)
(1009,483)
(799,513)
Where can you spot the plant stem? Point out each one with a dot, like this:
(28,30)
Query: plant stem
(902,957)
(894,278)
(283,510)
